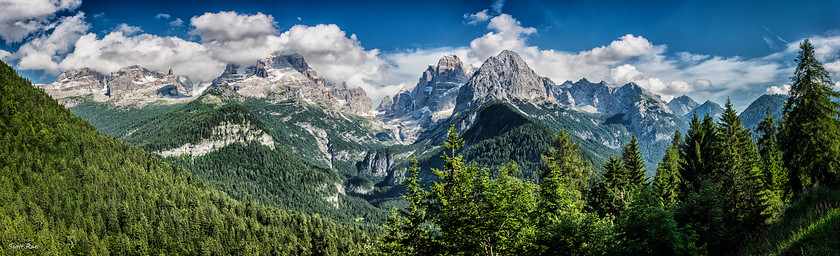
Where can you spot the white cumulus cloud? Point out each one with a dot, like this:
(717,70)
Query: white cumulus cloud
(128,29)
(231,26)
(475,18)
(4,55)
(117,50)
(177,22)
(507,34)
(336,56)
(781,89)
(20,18)
(44,52)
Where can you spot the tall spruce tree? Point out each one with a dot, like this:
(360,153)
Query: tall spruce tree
(611,195)
(739,177)
(634,164)
(809,134)
(775,174)
(667,179)
(477,214)
(700,153)
(563,165)
(563,226)
(407,230)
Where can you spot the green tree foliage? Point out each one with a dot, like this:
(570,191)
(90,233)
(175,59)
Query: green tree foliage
(611,196)
(706,211)
(475,213)
(700,153)
(563,226)
(810,131)
(648,228)
(775,174)
(68,189)
(408,232)
(634,164)
(667,179)
(739,177)
(564,166)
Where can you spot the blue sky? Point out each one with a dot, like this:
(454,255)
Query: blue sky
(705,49)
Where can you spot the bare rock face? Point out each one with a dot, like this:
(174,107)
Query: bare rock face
(133,81)
(84,79)
(431,100)
(376,164)
(503,77)
(682,105)
(650,118)
(438,86)
(283,77)
(436,90)
(132,85)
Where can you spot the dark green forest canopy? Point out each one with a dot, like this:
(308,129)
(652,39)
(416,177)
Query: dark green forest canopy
(67,189)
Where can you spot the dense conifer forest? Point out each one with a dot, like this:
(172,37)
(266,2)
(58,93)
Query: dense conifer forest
(67,189)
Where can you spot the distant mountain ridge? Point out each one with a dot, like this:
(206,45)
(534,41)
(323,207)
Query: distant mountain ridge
(431,100)
(757,110)
(707,108)
(282,77)
(682,105)
(132,85)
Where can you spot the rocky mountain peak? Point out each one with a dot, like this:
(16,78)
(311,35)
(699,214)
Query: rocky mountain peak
(281,77)
(707,108)
(131,85)
(682,105)
(505,76)
(432,99)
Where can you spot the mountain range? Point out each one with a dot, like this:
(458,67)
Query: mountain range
(338,148)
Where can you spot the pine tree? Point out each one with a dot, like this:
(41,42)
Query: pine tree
(700,153)
(809,134)
(739,177)
(475,213)
(775,174)
(563,227)
(648,228)
(563,162)
(634,164)
(611,195)
(667,179)
(407,232)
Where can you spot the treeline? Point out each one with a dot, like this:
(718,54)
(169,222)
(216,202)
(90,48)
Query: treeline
(66,189)
(713,188)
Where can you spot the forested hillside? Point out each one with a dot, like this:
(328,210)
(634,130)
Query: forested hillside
(67,189)
(284,170)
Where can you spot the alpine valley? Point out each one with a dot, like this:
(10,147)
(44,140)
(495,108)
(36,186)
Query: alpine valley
(277,134)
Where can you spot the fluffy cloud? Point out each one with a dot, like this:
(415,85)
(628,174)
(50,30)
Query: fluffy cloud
(508,35)
(162,16)
(782,89)
(177,22)
(231,26)
(475,18)
(128,29)
(406,66)
(19,18)
(43,53)
(594,64)
(336,56)
(117,50)
(4,55)
(627,73)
